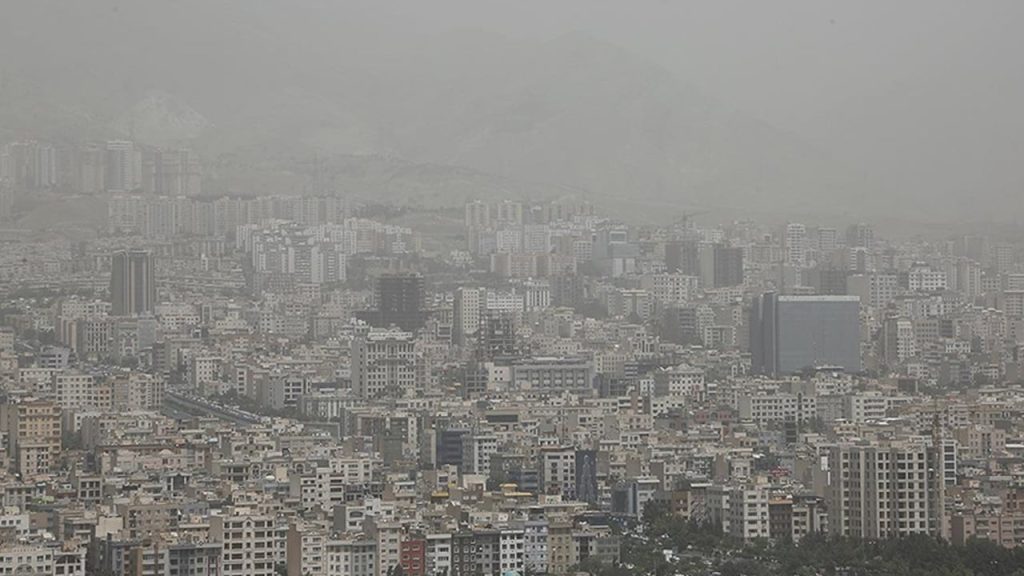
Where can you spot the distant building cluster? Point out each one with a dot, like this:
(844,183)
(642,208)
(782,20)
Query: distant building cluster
(115,166)
(219,217)
(522,242)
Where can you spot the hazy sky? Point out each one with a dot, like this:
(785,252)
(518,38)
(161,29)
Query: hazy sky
(791,62)
(920,97)
(928,92)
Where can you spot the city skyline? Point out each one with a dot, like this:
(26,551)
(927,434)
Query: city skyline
(493,288)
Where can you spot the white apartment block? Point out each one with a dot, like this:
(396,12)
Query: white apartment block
(865,407)
(796,245)
(466,311)
(748,512)
(384,364)
(777,407)
(511,551)
(476,453)
(671,288)
(439,554)
(680,380)
(926,279)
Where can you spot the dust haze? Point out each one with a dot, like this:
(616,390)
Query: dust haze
(906,110)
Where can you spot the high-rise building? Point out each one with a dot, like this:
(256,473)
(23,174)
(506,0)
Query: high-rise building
(586,476)
(670,288)
(923,278)
(567,290)
(400,302)
(898,343)
(132,283)
(966,275)
(728,266)
(860,236)
(123,167)
(885,491)
(29,165)
(449,446)
(680,325)
(536,238)
(876,290)
(796,245)
(476,453)
(468,304)
(509,212)
(90,169)
(830,281)
(508,240)
(478,215)
(285,256)
(827,239)
(791,333)
(171,172)
(384,364)
(496,337)
(748,512)
(682,256)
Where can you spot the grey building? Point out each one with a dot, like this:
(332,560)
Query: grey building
(541,376)
(791,333)
(401,301)
(132,283)
(728,266)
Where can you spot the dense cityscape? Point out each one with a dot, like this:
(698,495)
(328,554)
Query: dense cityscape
(295,385)
(511,288)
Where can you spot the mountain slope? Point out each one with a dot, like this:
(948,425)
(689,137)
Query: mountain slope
(573,112)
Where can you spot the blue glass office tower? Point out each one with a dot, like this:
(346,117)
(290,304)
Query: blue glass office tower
(789,334)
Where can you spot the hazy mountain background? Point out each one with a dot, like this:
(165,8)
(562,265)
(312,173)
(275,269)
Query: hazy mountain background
(910,110)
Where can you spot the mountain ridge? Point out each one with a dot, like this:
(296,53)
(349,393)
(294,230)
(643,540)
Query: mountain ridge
(572,112)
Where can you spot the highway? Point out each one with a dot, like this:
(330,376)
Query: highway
(177,404)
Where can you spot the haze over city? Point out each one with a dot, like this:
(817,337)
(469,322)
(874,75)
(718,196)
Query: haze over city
(905,111)
(496,288)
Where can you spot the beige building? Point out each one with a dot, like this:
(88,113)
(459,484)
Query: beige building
(885,490)
(34,435)
(254,544)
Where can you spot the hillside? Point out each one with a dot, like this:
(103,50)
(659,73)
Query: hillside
(570,113)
